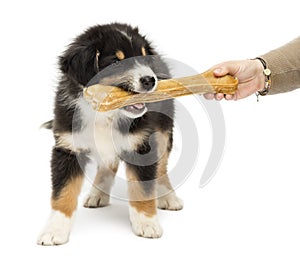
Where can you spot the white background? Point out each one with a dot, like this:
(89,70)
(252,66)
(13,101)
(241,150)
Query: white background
(251,207)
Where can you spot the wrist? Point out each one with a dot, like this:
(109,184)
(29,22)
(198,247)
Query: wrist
(267,74)
(260,74)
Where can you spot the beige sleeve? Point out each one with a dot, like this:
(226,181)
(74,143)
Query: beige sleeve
(284,64)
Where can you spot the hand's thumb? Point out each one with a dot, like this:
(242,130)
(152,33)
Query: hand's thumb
(220,71)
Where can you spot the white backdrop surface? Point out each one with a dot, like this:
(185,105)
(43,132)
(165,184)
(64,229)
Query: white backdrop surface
(251,206)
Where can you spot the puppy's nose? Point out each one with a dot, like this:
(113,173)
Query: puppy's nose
(147,82)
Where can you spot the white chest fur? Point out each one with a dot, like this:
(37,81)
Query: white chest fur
(100,136)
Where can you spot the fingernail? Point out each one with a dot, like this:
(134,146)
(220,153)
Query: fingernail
(219,96)
(218,71)
(228,97)
(208,96)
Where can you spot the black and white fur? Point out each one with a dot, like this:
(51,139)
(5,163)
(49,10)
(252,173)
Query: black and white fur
(141,135)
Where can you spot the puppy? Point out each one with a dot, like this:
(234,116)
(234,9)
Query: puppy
(141,135)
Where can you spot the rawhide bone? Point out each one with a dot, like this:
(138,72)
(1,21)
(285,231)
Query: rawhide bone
(105,98)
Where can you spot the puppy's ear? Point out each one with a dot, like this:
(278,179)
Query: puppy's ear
(79,63)
(150,50)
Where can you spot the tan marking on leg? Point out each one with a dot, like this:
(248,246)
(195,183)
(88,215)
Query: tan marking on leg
(148,208)
(166,196)
(99,195)
(104,173)
(162,139)
(67,199)
(162,175)
(143,203)
(120,55)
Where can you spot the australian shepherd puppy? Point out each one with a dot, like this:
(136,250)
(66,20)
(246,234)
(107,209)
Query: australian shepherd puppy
(140,135)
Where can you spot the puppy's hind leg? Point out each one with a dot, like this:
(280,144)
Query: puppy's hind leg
(67,178)
(99,195)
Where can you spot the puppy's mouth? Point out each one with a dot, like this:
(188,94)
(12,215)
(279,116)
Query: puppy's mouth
(136,109)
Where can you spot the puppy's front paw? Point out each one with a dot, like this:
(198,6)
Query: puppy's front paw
(53,237)
(144,226)
(170,202)
(57,230)
(96,199)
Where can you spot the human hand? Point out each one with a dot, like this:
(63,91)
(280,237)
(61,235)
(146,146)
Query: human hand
(250,76)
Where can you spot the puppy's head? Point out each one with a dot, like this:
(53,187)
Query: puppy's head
(134,75)
(102,49)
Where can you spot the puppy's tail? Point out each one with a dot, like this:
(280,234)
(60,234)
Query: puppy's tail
(47,125)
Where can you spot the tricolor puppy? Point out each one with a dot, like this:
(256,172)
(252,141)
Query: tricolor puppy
(141,135)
